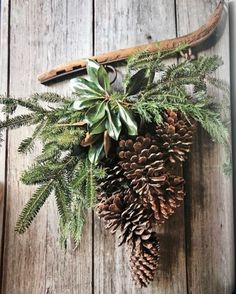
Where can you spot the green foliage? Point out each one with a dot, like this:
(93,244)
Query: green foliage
(104,111)
(70,170)
(184,87)
(33,206)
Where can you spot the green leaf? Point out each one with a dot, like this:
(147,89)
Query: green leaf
(96,152)
(86,102)
(95,113)
(99,127)
(103,78)
(113,124)
(85,87)
(92,70)
(98,75)
(128,119)
(137,82)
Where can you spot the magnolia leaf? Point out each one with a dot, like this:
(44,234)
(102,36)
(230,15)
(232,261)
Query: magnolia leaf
(92,70)
(103,78)
(85,87)
(128,119)
(113,124)
(98,75)
(137,82)
(99,126)
(83,103)
(106,142)
(95,113)
(96,152)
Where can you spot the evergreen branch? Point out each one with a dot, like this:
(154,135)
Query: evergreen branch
(49,97)
(33,206)
(28,104)
(199,111)
(90,186)
(51,151)
(28,143)
(77,219)
(19,121)
(146,60)
(41,172)
(62,196)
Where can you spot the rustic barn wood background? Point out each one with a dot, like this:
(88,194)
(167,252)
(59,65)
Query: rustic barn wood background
(197,242)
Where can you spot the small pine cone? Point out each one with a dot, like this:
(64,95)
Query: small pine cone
(112,183)
(163,193)
(175,136)
(110,209)
(122,210)
(144,260)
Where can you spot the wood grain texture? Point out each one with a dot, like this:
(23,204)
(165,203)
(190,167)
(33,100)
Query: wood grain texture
(4,30)
(120,24)
(42,33)
(209,205)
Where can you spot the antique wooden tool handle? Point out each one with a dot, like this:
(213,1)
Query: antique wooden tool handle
(193,39)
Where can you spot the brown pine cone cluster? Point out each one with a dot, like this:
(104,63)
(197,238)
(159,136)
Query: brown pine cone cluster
(142,189)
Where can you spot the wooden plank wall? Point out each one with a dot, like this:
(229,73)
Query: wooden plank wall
(197,242)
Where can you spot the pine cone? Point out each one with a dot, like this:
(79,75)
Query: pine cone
(141,157)
(157,189)
(121,210)
(144,261)
(113,182)
(163,193)
(175,136)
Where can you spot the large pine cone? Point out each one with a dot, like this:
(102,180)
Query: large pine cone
(142,163)
(175,136)
(163,193)
(144,259)
(140,158)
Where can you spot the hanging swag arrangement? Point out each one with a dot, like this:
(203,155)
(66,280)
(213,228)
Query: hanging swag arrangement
(119,152)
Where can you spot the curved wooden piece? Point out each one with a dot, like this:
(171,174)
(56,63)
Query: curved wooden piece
(193,39)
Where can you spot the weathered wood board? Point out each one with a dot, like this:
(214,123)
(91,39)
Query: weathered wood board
(197,242)
(42,33)
(209,205)
(4,90)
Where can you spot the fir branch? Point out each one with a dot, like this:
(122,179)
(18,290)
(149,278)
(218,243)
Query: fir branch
(90,186)
(62,195)
(19,121)
(50,170)
(51,152)
(33,206)
(49,97)
(10,103)
(27,144)
(77,218)
(146,59)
